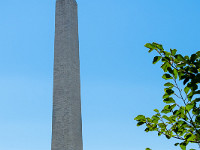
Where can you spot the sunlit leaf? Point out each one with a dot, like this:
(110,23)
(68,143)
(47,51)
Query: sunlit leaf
(169,100)
(167,76)
(173,51)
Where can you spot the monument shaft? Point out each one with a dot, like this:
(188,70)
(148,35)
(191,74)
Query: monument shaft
(67,124)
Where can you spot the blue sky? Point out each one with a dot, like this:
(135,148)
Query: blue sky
(118,80)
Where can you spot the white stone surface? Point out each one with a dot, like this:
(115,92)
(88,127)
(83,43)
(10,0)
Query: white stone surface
(67,124)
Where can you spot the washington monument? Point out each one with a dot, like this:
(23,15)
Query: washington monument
(67,124)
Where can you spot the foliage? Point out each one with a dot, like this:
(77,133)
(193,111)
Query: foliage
(180,117)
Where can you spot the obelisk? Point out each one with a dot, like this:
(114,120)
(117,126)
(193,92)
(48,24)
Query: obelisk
(67,124)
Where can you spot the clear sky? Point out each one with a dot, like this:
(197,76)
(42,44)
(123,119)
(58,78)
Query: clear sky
(118,81)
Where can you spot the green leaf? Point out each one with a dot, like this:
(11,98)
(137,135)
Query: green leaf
(166,58)
(146,130)
(197,120)
(197,100)
(186,57)
(192,86)
(159,133)
(156,59)
(190,95)
(166,117)
(150,50)
(190,137)
(165,96)
(175,73)
(196,111)
(197,64)
(173,106)
(159,46)
(187,136)
(198,53)
(183,146)
(169,69)
(179,57)
(186,80)
(167,136)
(164,66)
(181,75)
(166,109)
(167,54)
(148,119)
(193,58)
(167,76)
(173,52)
(140,117)
(150,46)
(186,90)
(156,110)
(169,100)
(176,144)
(197,92)
(140,123)
(148,149)
(169,84)
(169,91)
(155,119)
(189,106)
(162,125)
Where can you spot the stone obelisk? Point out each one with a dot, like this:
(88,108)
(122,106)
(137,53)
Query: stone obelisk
(67,124)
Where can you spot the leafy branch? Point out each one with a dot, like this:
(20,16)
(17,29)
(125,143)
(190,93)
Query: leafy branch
(180,117)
